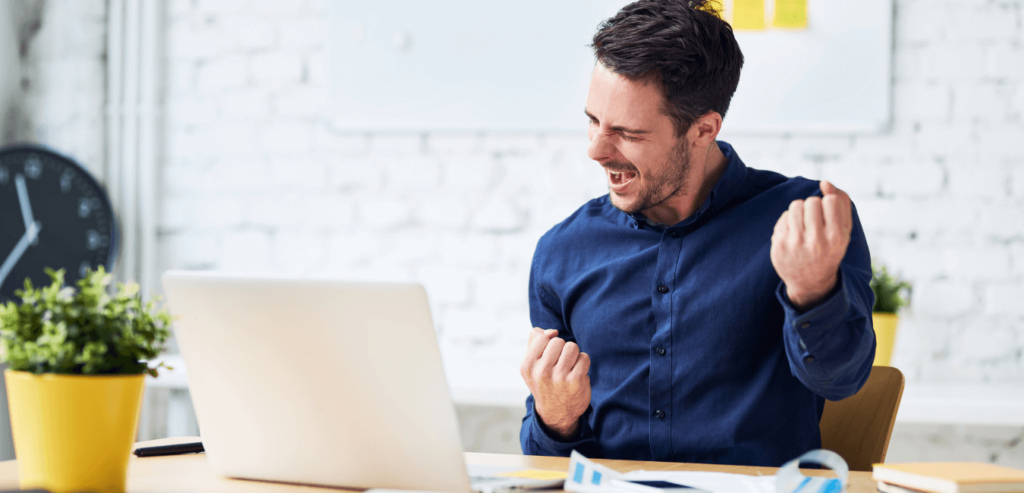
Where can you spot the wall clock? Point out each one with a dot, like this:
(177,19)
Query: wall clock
(54,214)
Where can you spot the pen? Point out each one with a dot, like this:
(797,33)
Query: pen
(176,449)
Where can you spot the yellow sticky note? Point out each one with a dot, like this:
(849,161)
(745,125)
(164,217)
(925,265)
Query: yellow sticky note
(748,14)
(535,474)
(790,14)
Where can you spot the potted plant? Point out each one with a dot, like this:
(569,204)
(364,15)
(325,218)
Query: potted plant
(889,299)
(77,361)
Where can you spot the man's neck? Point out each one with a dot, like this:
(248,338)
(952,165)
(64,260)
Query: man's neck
(706,167)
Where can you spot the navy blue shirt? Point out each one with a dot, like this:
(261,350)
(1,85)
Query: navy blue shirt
(697,355)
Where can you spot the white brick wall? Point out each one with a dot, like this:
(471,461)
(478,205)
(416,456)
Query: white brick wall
(61,94)
(255,180)
(11,74)
(996,444)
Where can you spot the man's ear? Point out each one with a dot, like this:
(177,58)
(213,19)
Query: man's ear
(704,131)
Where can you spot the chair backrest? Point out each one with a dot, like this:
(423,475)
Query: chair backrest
(858,427)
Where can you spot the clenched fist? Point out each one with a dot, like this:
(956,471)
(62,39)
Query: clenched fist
(809,242)
(556,373)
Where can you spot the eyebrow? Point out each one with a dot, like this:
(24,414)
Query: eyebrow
(618,128)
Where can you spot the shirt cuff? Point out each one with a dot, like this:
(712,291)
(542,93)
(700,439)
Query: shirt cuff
(557,445)
(812,326)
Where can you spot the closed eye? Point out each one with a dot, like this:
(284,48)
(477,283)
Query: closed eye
(619,130)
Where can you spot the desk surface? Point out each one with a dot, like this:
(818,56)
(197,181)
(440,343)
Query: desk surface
(191,472)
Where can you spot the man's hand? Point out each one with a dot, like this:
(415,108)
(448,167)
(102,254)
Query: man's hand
(809,242)
(556,373)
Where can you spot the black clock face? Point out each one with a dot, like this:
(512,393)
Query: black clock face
(52,214)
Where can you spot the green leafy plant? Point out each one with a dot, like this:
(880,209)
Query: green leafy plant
(84,331)
(889,291)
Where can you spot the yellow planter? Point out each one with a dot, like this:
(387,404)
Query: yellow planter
(885,336)
(73,432)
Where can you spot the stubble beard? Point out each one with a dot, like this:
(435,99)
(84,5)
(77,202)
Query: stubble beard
(658,188)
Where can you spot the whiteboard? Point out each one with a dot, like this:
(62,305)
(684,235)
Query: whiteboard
(468,65)
(833,77)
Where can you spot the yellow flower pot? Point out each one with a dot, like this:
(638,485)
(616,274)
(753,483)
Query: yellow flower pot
(73,432)
(885,336)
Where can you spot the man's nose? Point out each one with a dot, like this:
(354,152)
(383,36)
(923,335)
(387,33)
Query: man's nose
(600,148)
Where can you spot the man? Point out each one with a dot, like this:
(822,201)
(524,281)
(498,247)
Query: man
(702,311)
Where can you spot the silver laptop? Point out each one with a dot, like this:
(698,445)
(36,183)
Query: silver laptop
(320,382)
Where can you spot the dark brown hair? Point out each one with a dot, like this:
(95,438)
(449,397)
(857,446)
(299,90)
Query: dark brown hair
(681,45)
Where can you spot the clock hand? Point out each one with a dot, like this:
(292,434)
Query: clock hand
(28,238)
(26,207)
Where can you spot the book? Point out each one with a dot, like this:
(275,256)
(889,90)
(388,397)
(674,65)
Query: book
(891,488)
(951,477)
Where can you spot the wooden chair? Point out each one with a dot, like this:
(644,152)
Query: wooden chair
(858,427)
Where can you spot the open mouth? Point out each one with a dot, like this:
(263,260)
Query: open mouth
(619,180)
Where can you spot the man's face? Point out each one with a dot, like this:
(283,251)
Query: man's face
(634,141)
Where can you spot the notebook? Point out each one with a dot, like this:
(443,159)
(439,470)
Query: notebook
(951,477)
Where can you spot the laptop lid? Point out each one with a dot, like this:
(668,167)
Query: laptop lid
(317,382)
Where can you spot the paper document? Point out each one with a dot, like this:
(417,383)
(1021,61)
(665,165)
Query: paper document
(534,474)
(717,482)
(586,476)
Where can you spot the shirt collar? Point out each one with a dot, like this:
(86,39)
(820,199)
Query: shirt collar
(729,184)
(723,191)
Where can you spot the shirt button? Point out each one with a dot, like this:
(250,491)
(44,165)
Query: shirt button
(805,325)
(660,351)
(662,289)
(673,234)
(660,414)
(809,359)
